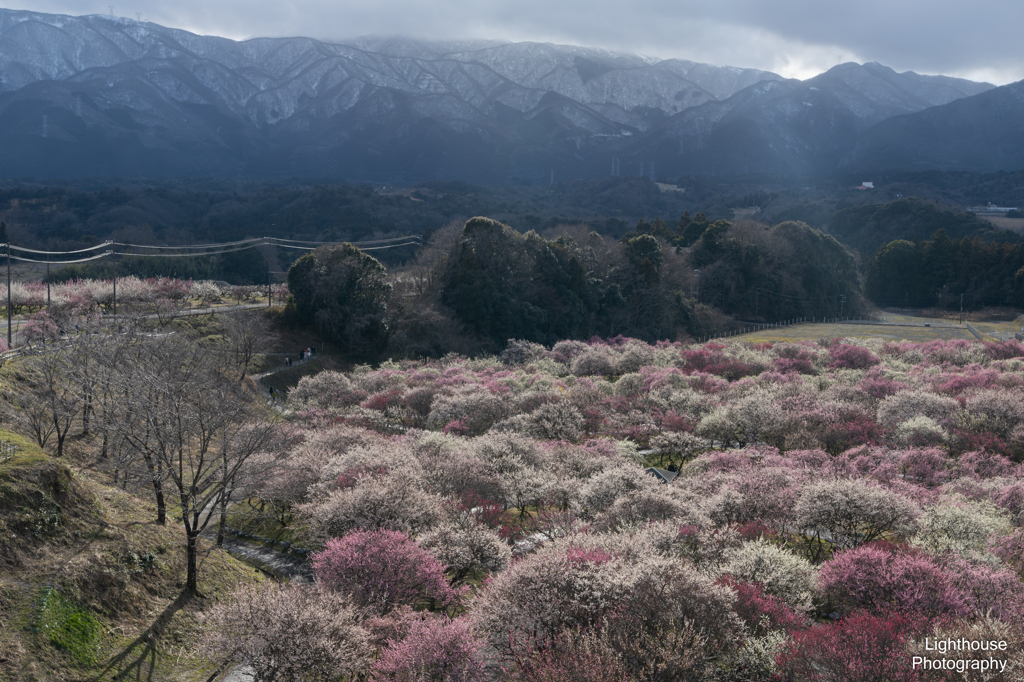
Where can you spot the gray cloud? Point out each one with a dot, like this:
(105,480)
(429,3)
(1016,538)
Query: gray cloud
(796,38)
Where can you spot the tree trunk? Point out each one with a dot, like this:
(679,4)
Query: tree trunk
(161,508)
(223,520)
(85,413)
(156,476)
(60,441)
(192,550)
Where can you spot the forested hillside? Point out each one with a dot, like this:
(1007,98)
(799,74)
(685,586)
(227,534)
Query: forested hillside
(475,286)
(188,212)
(937,271)
(868,228)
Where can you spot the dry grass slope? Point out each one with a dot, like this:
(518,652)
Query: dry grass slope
(90,587)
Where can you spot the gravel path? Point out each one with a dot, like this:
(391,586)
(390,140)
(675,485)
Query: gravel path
(284,565)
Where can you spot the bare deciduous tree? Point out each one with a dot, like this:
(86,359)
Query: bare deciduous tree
(247,337)
(191,423)
(52,409)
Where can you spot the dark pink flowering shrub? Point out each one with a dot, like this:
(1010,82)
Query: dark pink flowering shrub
(878,386)
(851,426)
(709,359)
(792,366)
(982,464)
(1010,548)
(382,569)
(754,530)
(880,580)
(859,648)
(484,510)
(845,356)
(1011,498)
(925,466)
(458,427)
(760,612)
(963,441)
(384,399)
(995,590)
(432,651)
(1004,350)
(972,377)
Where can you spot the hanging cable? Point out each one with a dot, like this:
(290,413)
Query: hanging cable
(201,250)
(63,262)
(367,248)
(354,243)
(184,255)
(58,253)
(253,241)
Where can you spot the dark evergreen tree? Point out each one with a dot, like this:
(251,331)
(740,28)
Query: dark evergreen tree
(343,292)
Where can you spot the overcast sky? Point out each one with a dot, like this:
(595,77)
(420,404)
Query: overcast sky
(980,40)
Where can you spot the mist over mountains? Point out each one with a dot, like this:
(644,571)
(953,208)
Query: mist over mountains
(106,96)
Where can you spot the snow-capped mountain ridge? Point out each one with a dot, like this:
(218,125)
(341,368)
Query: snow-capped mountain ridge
(216,105)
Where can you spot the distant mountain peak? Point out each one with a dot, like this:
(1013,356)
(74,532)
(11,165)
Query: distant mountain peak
(101,95)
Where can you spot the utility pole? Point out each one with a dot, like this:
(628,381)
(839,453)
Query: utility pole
(114,253)
(698,286)
(47,281)
(7,246)
(961,308)
(270,295)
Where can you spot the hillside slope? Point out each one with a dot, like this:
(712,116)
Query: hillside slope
(983,133)
(90,587)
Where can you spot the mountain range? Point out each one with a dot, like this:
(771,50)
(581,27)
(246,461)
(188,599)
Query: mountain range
(107,96)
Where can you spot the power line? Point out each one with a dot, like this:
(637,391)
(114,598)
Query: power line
(184,255)
(253,240)
(56,253)
(355,243)
(199,250)
(63,262)
(367,248)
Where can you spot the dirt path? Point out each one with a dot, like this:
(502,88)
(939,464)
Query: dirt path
(279,563)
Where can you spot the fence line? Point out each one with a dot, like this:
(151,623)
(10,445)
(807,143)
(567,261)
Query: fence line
(767,325)
(7,450)
(803,320)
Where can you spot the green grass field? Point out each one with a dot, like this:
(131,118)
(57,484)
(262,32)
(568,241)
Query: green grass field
(911,331)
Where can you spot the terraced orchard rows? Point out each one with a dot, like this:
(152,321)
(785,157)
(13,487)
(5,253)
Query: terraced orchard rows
(837,502)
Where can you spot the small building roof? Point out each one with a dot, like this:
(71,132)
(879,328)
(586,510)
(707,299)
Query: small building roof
(662,475)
